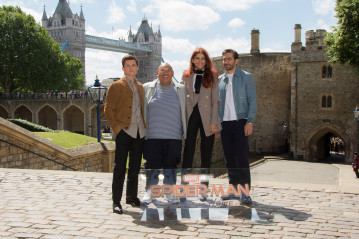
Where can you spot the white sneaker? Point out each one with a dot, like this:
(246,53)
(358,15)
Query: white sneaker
(147,197)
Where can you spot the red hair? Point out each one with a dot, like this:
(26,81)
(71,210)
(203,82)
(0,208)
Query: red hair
(209,70)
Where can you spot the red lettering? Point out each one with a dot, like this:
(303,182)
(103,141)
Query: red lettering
(217,192)
(191,190)
(156,191)
(201,189)
(166,189)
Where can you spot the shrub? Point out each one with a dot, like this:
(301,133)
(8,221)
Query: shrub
(30,126)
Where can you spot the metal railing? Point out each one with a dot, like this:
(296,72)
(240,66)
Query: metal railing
(45,96)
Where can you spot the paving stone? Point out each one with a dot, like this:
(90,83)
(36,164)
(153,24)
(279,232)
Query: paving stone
(75,206)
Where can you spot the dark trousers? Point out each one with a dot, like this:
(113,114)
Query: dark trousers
(126,145)
(195,124)
(236,151)
(161,154)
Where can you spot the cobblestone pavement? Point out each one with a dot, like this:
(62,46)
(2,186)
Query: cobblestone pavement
(61,204)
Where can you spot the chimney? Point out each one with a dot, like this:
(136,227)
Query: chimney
(255,42)
(297,33)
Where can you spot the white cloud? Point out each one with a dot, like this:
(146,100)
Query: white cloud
(173,45)
(36,15)
(323,7)
(132,6)
(81,1)
(236,23)
(233,5)
(105,64)
(177,15)
(21,4)
(217,45)
(273,50)
(321,24)
(116,34)
(178,68)
(116,13)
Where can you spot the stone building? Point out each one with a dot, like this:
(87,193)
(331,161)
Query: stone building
(148,62)
(303,100)
(271,73)
(323,98)
(67,29)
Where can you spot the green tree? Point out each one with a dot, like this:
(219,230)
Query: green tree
(343,43)
(30,60)
(73,77)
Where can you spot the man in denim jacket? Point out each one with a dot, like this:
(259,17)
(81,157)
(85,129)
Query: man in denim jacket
(237,108)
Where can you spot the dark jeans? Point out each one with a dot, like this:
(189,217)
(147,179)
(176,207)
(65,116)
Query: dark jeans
(161,153)
(126,145)
(236,151)
(195,124)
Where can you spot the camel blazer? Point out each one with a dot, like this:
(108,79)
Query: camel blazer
(207,103)
(118,105)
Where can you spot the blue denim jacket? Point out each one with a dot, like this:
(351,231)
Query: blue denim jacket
(244,95)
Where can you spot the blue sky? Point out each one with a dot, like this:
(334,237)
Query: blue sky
(187,24)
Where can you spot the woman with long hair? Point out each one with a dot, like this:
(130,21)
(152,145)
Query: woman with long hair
(200,82)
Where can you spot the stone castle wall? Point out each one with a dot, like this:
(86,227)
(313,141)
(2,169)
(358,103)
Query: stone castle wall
(311,122)
(20,148)
(271,73)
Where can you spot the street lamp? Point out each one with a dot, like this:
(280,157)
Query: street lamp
(356,117)
(98,94)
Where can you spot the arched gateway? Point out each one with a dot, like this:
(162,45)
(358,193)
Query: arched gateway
(318,140)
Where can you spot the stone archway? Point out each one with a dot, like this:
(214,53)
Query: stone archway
(22,112)
(317,142)
(3,113)
(73,118)
(48,117)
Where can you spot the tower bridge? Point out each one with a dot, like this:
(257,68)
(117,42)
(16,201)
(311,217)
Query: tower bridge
(78,114)
(68,30)
(101,43)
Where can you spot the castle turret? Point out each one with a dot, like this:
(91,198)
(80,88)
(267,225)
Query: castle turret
(148,62)
(68,30)
(255,42)
(44,19)
(82,18)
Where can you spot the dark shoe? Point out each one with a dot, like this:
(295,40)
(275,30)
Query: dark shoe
(229,197)
(133,201)
(117,208)
(246,200)
(202,198)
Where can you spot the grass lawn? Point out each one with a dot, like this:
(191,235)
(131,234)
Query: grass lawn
(67,139)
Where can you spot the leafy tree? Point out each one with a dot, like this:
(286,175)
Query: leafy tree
(73,77)
(30,60)
(343,43)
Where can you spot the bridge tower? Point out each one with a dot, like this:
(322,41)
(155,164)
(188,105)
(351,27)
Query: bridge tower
(67,29)
(148,61)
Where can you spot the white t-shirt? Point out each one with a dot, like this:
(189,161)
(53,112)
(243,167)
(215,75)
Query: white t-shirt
(229,109)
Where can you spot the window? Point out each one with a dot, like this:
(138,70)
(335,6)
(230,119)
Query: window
(327,101)
(327,71)
(324,72)
(324,101)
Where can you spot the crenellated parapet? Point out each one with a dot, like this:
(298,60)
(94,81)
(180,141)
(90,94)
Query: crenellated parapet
(314,49)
